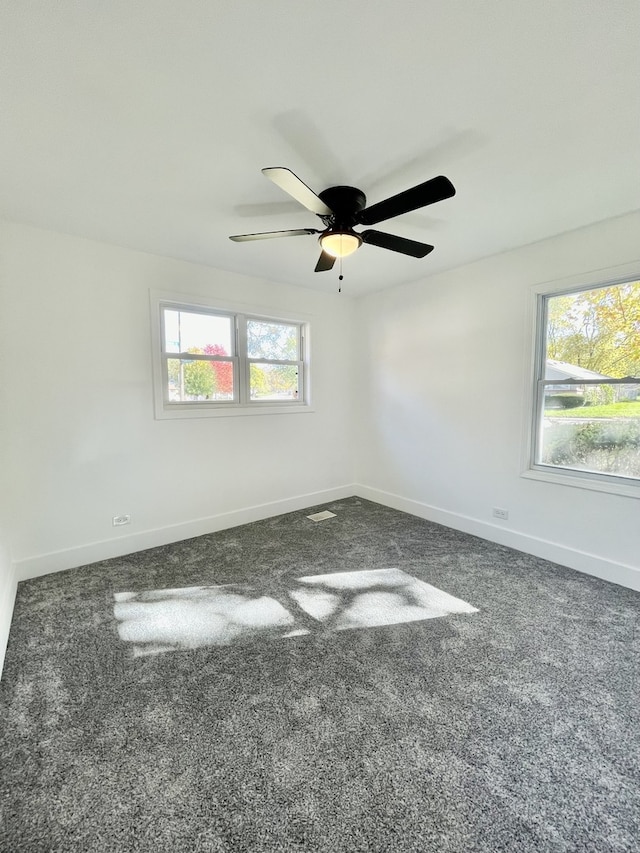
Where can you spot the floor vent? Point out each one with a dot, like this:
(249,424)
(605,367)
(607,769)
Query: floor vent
(322,516)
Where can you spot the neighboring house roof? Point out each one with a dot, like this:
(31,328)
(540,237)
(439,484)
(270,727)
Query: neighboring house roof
(562,370)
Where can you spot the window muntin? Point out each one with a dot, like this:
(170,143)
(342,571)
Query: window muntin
(587,422)
(213,360)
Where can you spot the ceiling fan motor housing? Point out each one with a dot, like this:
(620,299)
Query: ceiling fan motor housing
(346,203)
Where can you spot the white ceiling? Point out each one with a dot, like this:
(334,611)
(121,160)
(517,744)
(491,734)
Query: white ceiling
(146,123)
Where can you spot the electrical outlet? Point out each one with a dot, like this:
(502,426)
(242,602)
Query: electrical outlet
(119,520)
(500,513)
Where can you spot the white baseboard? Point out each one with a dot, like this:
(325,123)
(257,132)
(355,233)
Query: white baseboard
(57,561)
(590,564)
(7,601)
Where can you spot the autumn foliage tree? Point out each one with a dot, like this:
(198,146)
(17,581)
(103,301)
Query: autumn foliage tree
(597,329)
(222,370)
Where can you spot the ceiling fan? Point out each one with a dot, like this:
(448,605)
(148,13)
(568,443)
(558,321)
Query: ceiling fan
(342,208)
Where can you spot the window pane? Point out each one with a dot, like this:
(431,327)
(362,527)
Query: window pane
(199,381)
(274,382)
(592,428)
(595,330)
(187,331)
(278,341)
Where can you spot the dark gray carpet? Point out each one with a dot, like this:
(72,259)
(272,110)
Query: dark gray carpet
(513,728)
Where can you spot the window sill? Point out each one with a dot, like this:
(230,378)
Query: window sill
(232,411)
(566,477)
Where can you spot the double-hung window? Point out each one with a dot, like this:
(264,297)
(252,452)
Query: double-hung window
(587,395)
(210,361)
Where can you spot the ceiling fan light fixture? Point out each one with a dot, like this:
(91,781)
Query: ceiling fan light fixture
(339,244)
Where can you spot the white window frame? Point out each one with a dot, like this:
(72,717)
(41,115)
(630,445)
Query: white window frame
(239,314)
(532,469)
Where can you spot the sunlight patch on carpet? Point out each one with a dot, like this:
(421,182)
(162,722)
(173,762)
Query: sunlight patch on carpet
(164,620)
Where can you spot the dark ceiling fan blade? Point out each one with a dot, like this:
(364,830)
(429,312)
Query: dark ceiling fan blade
(429,192)
(268,235)
(325,262)
(396,244)
(291,184)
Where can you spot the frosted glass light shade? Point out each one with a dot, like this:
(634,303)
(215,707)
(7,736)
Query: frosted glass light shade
(339,244)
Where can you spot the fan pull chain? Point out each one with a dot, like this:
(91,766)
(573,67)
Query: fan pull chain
(340,277)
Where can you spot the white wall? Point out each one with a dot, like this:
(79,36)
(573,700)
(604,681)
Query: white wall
(84,442)
(442,411)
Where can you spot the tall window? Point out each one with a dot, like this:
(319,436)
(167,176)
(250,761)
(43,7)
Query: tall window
(211,361)
(588,384)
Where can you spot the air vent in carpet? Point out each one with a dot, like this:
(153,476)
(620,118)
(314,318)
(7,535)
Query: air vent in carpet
(321,516)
